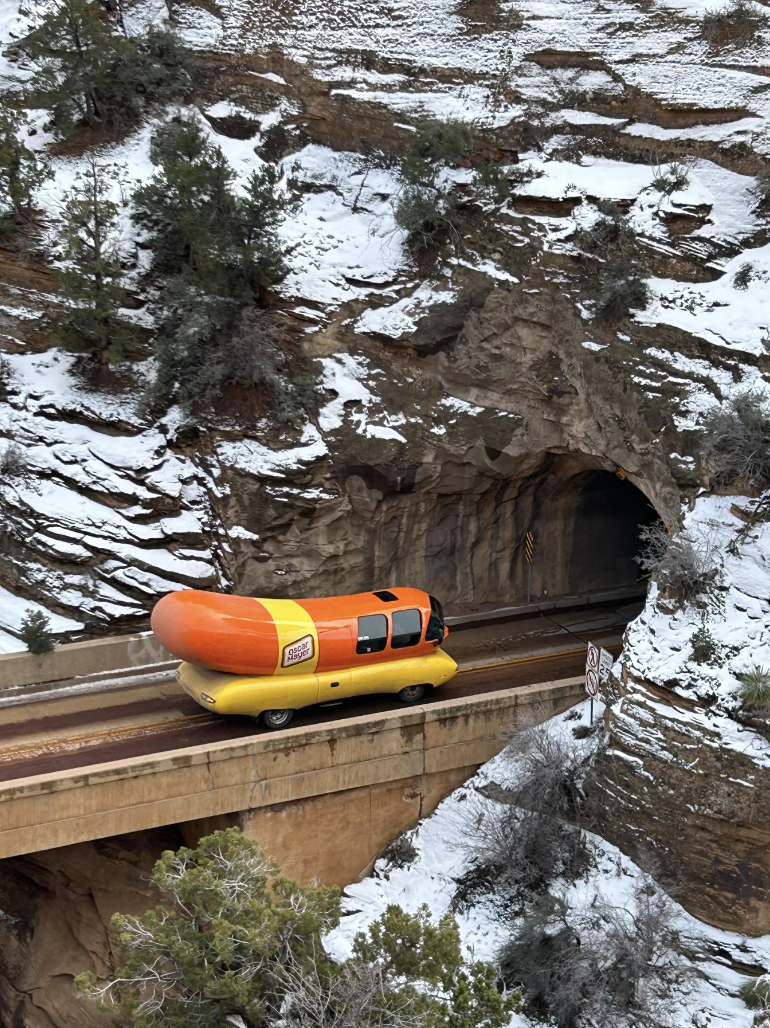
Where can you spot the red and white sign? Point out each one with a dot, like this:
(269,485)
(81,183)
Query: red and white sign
(593,660)
(299,651)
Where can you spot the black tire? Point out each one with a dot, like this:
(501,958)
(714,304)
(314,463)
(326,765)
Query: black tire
(275,719)
(412,693)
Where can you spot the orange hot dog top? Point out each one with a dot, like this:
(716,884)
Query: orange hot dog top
(243,635)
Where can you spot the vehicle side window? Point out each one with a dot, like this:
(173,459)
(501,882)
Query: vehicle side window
(435,630)
(372,633)
(407,628)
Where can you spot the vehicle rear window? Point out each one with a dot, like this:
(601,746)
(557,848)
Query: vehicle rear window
(407,628)
(372,633)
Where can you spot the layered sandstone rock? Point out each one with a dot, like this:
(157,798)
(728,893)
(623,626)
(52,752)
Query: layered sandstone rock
(55,910)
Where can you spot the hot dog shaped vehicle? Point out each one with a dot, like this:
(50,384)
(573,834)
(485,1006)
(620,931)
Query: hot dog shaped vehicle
(267,658)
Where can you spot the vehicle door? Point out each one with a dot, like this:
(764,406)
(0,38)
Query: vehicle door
(372,637)
(334,685)
(391,675)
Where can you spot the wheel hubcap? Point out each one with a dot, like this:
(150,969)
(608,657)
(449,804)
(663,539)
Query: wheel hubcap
(278,717)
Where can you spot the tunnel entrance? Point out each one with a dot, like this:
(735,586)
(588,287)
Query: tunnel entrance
(588,534)
(461,531)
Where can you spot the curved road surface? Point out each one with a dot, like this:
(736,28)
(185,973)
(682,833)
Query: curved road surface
(515,652)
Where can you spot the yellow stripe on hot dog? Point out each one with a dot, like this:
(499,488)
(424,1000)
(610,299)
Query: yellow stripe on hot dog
(297,637)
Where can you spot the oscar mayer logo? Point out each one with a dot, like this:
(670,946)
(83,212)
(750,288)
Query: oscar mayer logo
(299,651)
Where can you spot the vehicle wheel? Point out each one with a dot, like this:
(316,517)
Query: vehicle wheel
(276,718)
(412,693)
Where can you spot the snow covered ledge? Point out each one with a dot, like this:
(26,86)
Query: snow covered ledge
(684,778)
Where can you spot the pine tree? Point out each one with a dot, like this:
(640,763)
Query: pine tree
(257,216)
(188,204)
(225,241)
(79,55)
(36,632)
(92,74)
(21,173)
(92,277)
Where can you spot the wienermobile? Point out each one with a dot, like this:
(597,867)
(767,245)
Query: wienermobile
(268,658)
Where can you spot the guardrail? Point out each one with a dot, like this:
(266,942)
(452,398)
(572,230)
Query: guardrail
(103,657)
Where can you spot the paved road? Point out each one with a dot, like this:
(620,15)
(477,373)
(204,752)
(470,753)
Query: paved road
(41,738)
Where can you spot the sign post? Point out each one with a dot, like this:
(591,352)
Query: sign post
(598,666)
(529,550)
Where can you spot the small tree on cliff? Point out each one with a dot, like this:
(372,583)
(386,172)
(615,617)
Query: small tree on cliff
(225,241)
(93,75)
(21,173)
(91,278)
(236,944)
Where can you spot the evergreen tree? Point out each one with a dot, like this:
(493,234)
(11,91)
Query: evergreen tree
(36,632)
(237,944)
(205,344)
(188,204)
(201,226)
(217,950)
(92,278)
(21,173)
(90,73)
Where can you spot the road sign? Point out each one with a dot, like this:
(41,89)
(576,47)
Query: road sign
(593,661)
(529,547)
(606,660)
(529,552)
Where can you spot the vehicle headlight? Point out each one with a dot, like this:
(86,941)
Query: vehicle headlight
(207,699)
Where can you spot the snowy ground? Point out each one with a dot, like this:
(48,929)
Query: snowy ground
(708,998)
(737,613)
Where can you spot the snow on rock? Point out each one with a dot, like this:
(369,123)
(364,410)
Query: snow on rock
(344,240)
(710,996)
(725,312)
(400,319)
(101,506)
(345,376)
(12,611)
(658,645)
(254,458)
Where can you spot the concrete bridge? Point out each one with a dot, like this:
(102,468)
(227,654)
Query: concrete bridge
(322,798)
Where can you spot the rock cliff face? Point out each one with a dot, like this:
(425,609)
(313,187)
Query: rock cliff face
(55,909)
(506,431)
(684,780)
(670,792)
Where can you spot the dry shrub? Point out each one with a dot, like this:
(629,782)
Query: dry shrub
(12,462)
(597,963)
(686,562)
(738,442)
(521,843)
(735,24)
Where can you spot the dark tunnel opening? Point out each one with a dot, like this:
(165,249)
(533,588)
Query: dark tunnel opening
(589,536)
